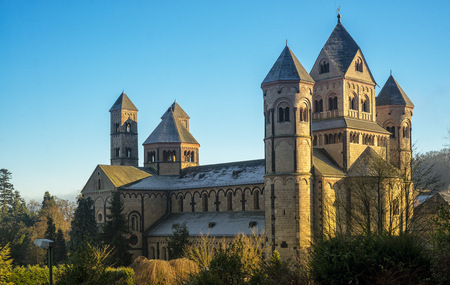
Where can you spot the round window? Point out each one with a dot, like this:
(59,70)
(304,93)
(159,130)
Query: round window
(134,240)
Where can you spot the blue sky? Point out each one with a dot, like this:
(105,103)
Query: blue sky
(64,63)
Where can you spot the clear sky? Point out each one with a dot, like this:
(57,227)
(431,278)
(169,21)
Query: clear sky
(64,63)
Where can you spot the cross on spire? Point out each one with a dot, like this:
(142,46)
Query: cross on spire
(339,14)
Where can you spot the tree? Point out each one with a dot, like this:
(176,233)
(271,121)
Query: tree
(5,264)
(178,241)
(48,201)
(83,227)
(6,192)
(60,248)
(116,233)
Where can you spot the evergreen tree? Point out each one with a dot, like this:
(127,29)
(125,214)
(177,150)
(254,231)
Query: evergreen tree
(48,202)
(6,192)
(50,233)
(83,228)
(116,233)
(178,241)
(60,247)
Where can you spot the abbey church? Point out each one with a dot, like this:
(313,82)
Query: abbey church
(322,128)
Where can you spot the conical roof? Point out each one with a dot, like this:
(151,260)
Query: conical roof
(170,130)
(176,110)
(123,102)
(393,94)
(287,68)
(341,48)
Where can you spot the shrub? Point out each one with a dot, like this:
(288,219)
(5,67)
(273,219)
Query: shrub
(5,264)
(35,274)
(162,272)
(369,259)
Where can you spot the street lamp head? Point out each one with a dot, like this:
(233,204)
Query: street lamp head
(44,243)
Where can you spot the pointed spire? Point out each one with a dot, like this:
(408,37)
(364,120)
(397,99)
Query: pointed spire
(176,110)
(170,130)
(393,94)
(287,68)
(123,102)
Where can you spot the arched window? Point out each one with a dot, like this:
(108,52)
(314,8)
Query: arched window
(283,114)
(335,105)
(326,139)
(117,151)
(180,204)
(320,105)
(324,67)
(316,106)
(128,151)
(405,132)
(99,184)
(359,65)
(230,201)
(133,222)
(164,253)
(152,253)
(330,103)
(303,113)
(392,131)
(192,156)
(205,202)
(256,200)
(314,140)
(128,128)
(116,127)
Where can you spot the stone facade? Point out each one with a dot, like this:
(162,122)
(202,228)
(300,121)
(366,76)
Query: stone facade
(321,130)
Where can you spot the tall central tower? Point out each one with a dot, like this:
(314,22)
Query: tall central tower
(287,91)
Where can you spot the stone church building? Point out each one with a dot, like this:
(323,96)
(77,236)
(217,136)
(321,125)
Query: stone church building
(321,127)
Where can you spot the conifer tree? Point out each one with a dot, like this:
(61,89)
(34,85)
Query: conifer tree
(84,227)
(6,192)
(116,233)
(178,241)
(60,247)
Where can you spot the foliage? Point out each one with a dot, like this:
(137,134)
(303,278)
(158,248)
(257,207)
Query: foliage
(368,259)
(178,241)
(236,264)
(276,271)
(34,274)
(88,266)
(441,245)
(201,252)
(115,233)
(6,192)
(153,271)
(83,227)
(5,264)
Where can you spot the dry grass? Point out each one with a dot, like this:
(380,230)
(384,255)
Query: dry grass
(155,271)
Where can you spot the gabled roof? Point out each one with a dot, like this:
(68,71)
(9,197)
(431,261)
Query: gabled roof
(207,176)
(370,163)
(393,94)
(123,102)
(345,122)
(217,224)
(341,48)
(170,130)
(176,110)
(287,68)
(325,164)
(123,175)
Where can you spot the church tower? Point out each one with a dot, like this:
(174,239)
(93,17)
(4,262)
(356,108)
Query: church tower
(394,113)
(171,147)
(287,91)
(344,119)
(124,134)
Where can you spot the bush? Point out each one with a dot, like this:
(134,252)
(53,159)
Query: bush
(369,259)
(35,274)
(5,264)
(162,272)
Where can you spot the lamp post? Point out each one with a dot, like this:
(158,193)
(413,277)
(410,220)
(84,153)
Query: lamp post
(47,244)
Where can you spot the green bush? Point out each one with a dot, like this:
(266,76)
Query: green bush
(120,276)
(369,260)
(34,274)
